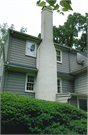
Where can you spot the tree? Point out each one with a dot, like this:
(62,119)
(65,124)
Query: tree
(64,5)
(23,30)
(4,32)
(67,34)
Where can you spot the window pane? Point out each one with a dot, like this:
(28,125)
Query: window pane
(30,51)
(58,58)
(30,82)
(58,52)
(58,86)
(31,48)
(83,104)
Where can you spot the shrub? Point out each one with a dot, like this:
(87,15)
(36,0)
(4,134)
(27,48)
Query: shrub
(25,115)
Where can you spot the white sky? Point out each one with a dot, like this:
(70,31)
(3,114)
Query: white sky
(25,13)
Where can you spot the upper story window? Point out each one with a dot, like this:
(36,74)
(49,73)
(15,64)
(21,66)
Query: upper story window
(59,85)
(29,86)
(30,49)
(59,56)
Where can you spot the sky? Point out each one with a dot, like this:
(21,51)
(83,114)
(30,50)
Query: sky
(25,13)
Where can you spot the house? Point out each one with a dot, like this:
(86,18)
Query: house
(39,68)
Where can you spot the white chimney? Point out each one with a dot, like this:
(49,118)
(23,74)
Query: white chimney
(46,60)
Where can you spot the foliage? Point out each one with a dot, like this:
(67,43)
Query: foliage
(67,34)
(4,32)
(24,115)
(65,5)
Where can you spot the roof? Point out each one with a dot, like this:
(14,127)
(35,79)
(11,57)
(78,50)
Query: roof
(84,54)
(77,72)
(65,47)
(25,36)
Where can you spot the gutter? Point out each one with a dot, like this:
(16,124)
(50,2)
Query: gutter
(25,36)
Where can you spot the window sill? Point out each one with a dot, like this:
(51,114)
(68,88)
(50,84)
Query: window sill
(30,55)
(59,62)
(29,91)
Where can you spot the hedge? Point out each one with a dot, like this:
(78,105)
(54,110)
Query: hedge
(25,115)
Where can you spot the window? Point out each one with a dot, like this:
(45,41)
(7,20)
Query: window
(82,103)
(59,85)
(59,56)
(30,49)
(29,87)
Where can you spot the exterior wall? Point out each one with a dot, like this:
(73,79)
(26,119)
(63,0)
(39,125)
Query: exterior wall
(73,101)
(67,86)
(14,82)
(17,55)
(69,62)
(64,66)
(6,47)
(81,57)
(1,70)
(80,83)
(73,62)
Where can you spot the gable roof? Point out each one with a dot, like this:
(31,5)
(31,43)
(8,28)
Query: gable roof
(84,54)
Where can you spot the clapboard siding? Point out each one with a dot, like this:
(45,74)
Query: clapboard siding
(80,84)
(6,47)
(73,101)
(17,53)
(64,66)
(73,62)
(67,86)
(82,58)
(16,83)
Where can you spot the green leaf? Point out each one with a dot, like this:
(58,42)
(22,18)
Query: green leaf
(51,2)
(43,3)
(58,10)
(56,7)
(38,1)
(64,9)
(65,4)
(49,7)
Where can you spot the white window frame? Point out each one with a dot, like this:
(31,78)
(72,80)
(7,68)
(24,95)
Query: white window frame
(60,55)
(78,100)
(27,47)
(60,85)
(33,91)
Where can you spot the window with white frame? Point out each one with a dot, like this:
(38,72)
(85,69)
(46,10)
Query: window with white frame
(82,104)
(29,83)
(30,48)
(59,56)
(59,85)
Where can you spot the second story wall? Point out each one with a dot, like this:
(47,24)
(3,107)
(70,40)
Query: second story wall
(64,66)
(73,62)
(16,54)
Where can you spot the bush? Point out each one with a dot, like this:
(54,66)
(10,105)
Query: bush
(24,115)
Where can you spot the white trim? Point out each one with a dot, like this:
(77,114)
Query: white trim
(26,83)
(80,97)
(60,55)
(60,85)
(26,49)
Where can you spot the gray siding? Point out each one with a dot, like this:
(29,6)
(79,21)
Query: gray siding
(64,66)
(67,86)
(14,82)
(17,53)
(73,62)
(6,47)
(81,57)
(80,84)
(73,101)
